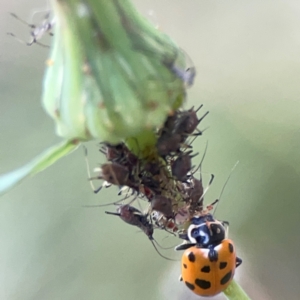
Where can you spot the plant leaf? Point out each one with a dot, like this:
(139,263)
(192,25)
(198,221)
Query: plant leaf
(38,164)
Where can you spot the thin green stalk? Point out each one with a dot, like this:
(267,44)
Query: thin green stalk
(235,292)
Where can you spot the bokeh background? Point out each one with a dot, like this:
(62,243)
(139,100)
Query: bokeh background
(247,55)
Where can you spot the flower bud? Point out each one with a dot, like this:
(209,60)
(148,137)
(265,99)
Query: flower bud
(111,73)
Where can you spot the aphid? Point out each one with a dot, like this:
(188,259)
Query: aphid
(150,183)
(188,121)
(120,154)
(163,205)
(169,124)
(195,203)
(152,167)
(116,174)
(195,192)
(166,144)
(37,31)
(133,216)
(113,153)
(182,165)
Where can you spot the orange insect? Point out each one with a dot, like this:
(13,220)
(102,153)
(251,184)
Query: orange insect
(209,261)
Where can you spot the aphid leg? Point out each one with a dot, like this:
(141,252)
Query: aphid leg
(200,164)
(96,191)
(151,240)
(37,31)
(161,247)
(15,37)
(231,171)
(200,132)
(206,189)
(225,223)
(22,21)
(34,41)
(183,246)
(107,204)
(211,205)
(88,171)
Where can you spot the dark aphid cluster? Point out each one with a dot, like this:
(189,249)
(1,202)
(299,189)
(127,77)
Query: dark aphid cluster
(165,180)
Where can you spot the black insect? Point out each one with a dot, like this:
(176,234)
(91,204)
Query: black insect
(151,183)
(188,121)
(120,154)
(114,173)
(152,167)
(135,217)
(163,205)
(182,165)
(195,193)
(113,153)
(169,124)
(168,144)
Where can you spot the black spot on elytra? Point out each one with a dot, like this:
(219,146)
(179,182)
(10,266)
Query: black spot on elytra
(203,284)
(223,265)
(191,257)
(185,266)
(205,269)
(190,286)
(231,248)
(226,278)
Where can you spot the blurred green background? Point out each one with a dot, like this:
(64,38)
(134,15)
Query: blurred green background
(247,55)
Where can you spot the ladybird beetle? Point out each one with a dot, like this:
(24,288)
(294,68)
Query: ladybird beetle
(208,271)
(209,261)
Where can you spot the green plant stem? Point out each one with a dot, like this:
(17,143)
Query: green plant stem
(235,292)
